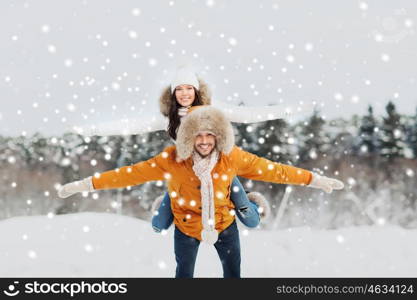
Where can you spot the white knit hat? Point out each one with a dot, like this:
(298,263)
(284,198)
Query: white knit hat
(184,76)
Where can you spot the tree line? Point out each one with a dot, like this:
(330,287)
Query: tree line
(374,155)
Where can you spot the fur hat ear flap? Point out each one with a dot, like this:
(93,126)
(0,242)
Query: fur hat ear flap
(185,139)
(205,93)
(204,118)
(165,101)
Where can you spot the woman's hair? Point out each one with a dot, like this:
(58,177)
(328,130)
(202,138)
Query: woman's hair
(174,118)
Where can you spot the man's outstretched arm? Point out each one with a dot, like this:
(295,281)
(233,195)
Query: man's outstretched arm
(257,168)
(150,170)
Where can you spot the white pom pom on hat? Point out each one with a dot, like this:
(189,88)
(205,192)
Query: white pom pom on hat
(185,75)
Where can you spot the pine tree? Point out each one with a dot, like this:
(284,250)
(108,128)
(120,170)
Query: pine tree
(314,142)
(392,136)
(275,138)
(368,134)
(412,135)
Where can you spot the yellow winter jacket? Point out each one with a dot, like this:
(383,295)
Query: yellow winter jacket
(184,185)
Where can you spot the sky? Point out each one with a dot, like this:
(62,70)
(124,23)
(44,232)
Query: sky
(68,63)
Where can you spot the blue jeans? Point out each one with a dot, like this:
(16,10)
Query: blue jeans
(227,246)
(246,211)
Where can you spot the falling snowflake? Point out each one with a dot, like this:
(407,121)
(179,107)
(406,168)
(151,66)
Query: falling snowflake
(133,34)
(290,58)
(308,47)
(340,239)
(210,3)
(385,57)
(136,12)
(152,62)
(51,49)
(409,172)
(355,99)
(363,6)
(68,63)
(338,96)
(351,181)
(32,254)
(232,41)
(45,28)
(88,248)
(162,265)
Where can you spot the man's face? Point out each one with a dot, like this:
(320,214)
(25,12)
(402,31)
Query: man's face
(204,143)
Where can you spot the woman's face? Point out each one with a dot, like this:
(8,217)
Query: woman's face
(185,94)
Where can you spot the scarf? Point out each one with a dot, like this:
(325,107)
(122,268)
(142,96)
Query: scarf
(202,168)
(182,111)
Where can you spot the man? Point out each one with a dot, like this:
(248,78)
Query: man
(199,171)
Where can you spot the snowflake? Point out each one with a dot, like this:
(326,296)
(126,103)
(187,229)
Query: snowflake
(340,239)
(363,6)
(88,248)
(385,57)
(355,99)
(115,86)
(308,47)
(381,221)
(136,12)
(162,265)
(233,41)
(312,154)
(32,254)
(68,63)
(351,181)
(409,172)
(338,96)
(290,58)
(45,28)
(133,34)
(152,62)
(51,49)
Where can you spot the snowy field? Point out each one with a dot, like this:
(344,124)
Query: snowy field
(107,245)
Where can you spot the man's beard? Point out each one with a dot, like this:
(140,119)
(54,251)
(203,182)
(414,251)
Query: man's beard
(204,155)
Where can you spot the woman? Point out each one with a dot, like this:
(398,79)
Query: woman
(187,90)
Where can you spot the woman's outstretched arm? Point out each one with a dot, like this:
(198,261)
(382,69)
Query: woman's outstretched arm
(141,124)
(254,114)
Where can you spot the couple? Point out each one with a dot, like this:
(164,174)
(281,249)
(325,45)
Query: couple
(200,171)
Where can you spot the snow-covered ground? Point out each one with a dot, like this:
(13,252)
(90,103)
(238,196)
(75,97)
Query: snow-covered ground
(107,245)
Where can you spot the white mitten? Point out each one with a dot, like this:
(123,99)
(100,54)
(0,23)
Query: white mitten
(325,183)
(85,185)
